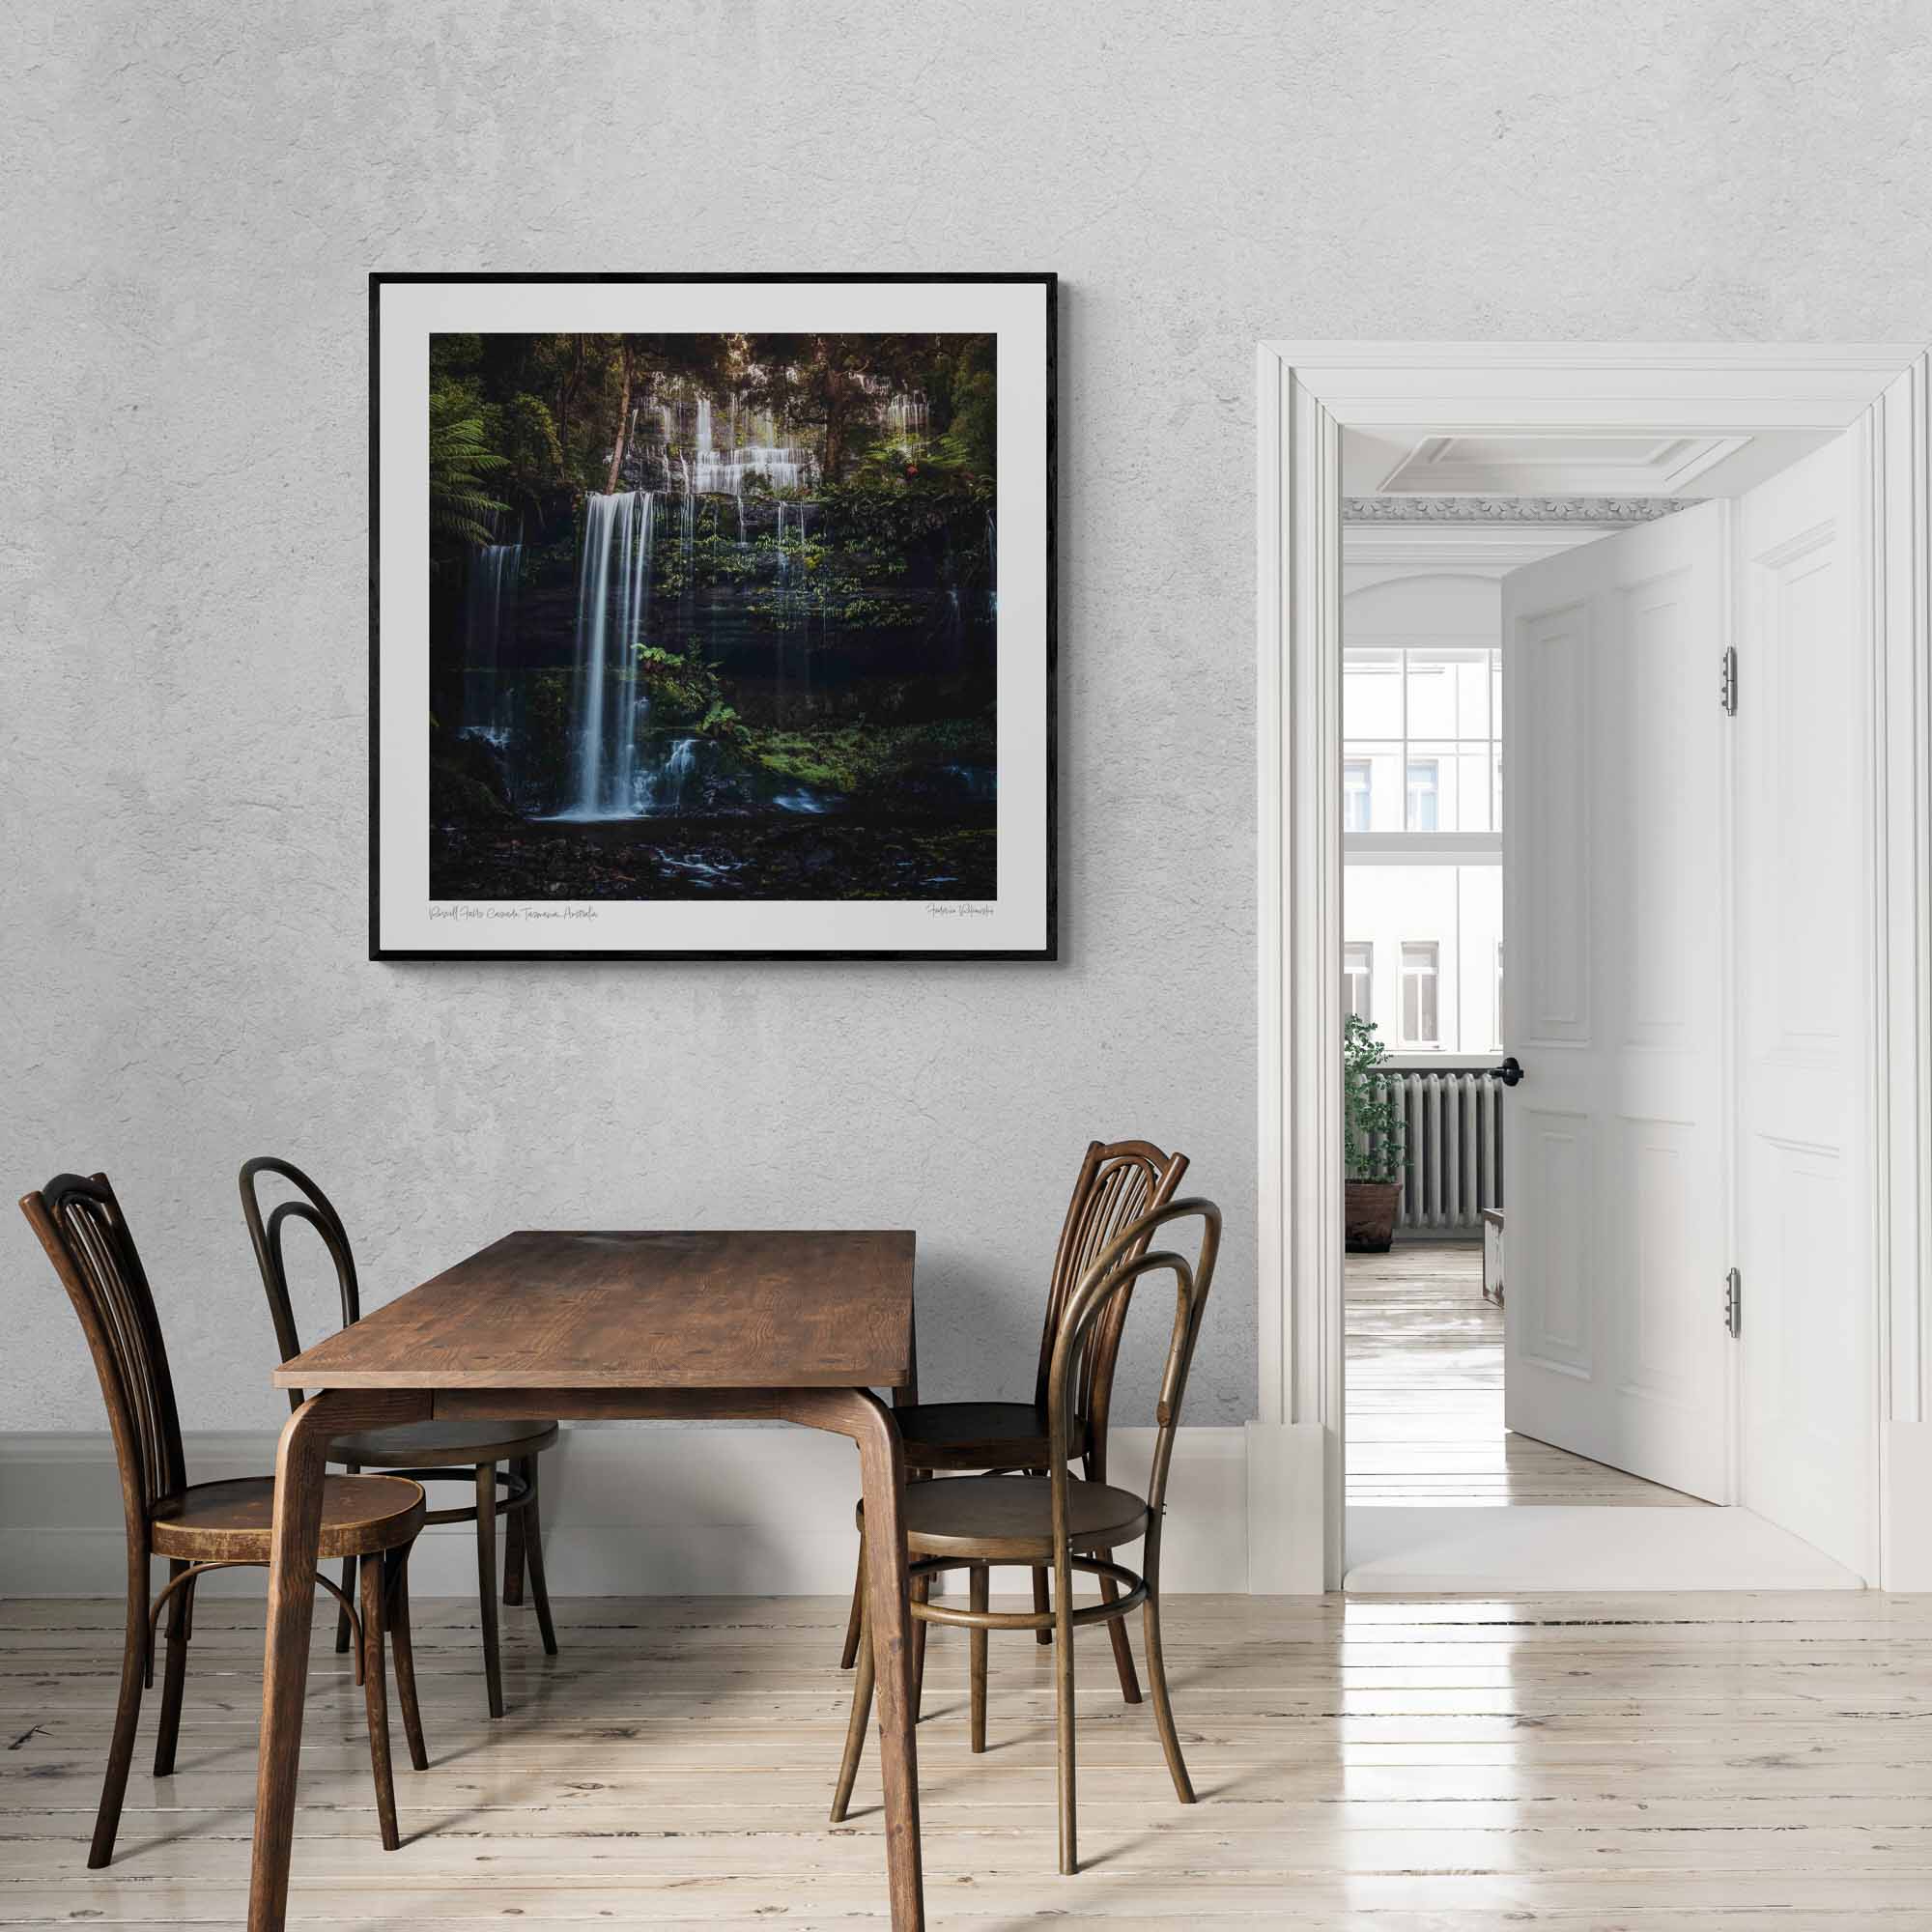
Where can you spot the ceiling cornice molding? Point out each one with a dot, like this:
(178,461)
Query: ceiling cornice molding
(1463,540)
(1603,512)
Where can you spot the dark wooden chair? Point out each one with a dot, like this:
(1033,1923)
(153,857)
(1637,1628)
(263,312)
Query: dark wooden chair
(972,1522)
(1118,1183)
(498,1459)
(204,1527)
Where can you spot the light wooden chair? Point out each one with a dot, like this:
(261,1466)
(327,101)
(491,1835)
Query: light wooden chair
(1056,1520)
(497,1460)
(204,1527)
(1118,1182)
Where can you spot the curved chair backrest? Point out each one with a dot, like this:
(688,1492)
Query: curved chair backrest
(1106,1288)
(1119,1182)
(319,1211)
(80,1225)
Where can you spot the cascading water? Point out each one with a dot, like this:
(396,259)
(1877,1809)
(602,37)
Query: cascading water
(489,622)
(783,466)
(613,591)
(663,785)
(907,420)
(635,620)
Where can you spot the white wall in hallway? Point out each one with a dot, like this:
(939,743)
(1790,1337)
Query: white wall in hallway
(1459,910)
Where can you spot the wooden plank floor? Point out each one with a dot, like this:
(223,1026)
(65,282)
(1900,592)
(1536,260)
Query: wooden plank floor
(1647,1763)
(1425,1395)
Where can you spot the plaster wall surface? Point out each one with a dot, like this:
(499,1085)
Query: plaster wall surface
(196,193)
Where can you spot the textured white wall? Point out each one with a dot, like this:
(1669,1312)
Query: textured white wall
(195,194)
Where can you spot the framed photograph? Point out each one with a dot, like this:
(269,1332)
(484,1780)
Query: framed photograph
(712,616)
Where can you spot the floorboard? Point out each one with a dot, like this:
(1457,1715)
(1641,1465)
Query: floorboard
(1425,1396)
(1641,1762)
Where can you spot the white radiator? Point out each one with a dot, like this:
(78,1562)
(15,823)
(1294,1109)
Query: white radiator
(1453,1158)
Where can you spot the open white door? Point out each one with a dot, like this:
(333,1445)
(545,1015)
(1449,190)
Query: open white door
(1616,1345)
(1806,992)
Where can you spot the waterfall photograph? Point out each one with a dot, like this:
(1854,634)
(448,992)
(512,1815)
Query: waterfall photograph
(713,616)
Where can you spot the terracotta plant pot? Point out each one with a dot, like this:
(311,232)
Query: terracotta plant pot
(1369,1216)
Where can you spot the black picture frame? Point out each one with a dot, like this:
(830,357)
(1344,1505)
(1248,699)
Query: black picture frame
(1047,951)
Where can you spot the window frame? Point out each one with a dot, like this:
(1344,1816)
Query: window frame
(1367,791)
(1411,1044)
(1411,792)
(1367,948)
(1394,656)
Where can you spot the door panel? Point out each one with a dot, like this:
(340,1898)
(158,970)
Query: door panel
(1804,965)
(1613,908)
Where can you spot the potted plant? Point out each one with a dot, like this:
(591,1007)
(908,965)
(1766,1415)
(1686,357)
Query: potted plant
(1372,1139)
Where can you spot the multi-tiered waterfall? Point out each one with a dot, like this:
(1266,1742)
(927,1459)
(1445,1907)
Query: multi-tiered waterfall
(693,457)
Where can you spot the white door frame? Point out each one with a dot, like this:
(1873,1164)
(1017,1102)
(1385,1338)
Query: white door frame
(1308,393)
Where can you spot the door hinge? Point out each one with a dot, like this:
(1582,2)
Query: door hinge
(1734,1304)
(1727,681)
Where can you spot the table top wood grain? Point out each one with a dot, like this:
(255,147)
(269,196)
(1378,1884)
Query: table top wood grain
(723,1309)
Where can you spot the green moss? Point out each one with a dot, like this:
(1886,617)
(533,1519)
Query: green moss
(860,757)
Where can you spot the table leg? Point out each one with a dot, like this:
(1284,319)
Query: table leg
(882,1474)
(844,1412)
(300,1464)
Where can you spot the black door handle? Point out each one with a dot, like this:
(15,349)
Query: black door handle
(1509,1072)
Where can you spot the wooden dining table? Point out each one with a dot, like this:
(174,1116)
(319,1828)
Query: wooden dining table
(791,1327)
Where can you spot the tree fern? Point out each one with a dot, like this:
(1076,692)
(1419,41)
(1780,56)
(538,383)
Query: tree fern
(461,508)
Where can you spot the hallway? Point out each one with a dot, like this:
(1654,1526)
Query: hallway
(1425,1396)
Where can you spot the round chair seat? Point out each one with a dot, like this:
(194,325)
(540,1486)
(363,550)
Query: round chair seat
(974,1436)
(234,1521)
(1009,1519)
(423,1445)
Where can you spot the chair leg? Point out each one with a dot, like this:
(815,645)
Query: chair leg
(396,1589)
(1041,1601)
(180,1629)
(486,1582)
(1163,1711)
(376,1697)
(1063,1699)
(855,1620)
(513,1538)
(922,1593)
(533,1546)
(976,1591)
(1123,1651)
(862,1714)
(126,1713)
(348,1590)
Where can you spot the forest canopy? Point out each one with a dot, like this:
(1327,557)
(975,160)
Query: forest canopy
(515,420)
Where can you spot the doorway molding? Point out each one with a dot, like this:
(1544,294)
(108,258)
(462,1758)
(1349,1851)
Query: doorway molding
(1308,393)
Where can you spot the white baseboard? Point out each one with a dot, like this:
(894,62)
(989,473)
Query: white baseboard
(1908,1522)
(645,1510)
(1538,1549)
(1287,1491)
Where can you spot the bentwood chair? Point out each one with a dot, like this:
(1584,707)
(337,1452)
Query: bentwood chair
(1118,1182)
(204,1527)
(972,1522)
(498,1459)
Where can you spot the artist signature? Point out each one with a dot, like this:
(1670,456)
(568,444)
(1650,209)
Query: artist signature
(514,911)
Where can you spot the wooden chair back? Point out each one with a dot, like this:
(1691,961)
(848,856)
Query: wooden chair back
(1106,1287)
(80,1225)
(316,1209)
(1119,1182)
